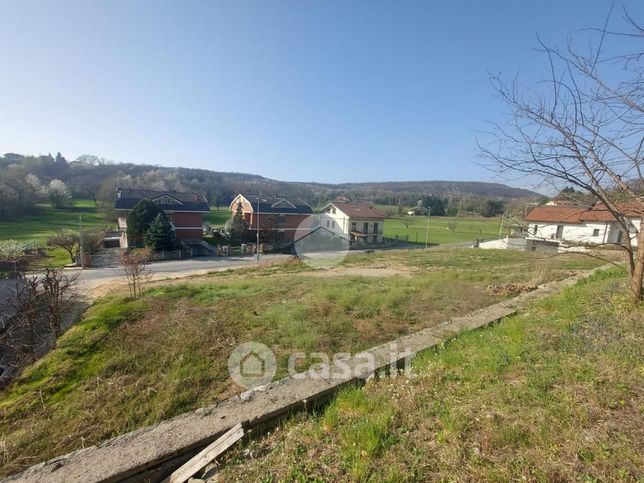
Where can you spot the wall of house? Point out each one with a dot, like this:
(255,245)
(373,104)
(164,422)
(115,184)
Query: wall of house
(291,226)
(582,233)
(344,224)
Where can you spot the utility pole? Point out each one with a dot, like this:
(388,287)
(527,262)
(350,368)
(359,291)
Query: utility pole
(258,230)
(429,213)
(81,247)
(501,227)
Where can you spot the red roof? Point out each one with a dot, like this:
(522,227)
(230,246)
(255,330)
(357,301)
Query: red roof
(599,212)
(359,210)
(555,214)
(571,214)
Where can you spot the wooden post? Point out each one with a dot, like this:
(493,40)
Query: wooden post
(208,454)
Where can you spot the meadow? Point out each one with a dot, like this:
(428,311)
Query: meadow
(442,229)
(46,220)
(129,363)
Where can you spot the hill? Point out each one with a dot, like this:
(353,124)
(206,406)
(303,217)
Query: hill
(89,177)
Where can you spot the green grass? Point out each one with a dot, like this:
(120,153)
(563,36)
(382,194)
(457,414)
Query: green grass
(218,216)
(465,229)
(552,394)
(46,220)
(132,363)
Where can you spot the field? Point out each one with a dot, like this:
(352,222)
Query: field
(43,223)
(36,227)
(131,363)
(218,216)
(552,394)
(464,229)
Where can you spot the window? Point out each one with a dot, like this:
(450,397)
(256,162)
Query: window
(333,210)
(328,223)
(354,226)
(333,224)
(534,229)
(281,220)
(596,232)
(165,200)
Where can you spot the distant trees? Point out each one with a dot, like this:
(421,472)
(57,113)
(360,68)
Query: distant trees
(492,208)
(59,194)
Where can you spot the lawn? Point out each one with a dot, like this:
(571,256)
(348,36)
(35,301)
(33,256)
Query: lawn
(36,227)
(130,363)
(463,229)
(46,220)
(218,216)
(552,394)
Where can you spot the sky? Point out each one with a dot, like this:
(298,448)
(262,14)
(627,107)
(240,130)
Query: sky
(305,90)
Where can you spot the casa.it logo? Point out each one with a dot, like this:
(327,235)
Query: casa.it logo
(252,365)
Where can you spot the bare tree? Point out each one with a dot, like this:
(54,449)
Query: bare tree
(585,130)
(21,333)
(68,240)
(134,267)
(58,292)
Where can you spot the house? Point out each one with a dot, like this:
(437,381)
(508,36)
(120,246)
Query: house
(361,223)
(184,211)
(593,225)
(285,216)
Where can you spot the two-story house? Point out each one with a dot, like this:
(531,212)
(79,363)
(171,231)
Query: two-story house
(184,211)
(285,216)
(360,223)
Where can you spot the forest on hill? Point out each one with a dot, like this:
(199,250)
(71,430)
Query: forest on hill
(25,180)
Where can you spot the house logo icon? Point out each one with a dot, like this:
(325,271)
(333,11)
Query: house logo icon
(251,365)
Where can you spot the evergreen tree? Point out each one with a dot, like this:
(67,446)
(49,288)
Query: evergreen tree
(239,228)
(160,236)
(139,220)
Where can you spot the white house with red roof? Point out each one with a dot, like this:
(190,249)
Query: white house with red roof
(593,225)
(361,223)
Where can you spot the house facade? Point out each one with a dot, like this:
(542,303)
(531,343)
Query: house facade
(184,211)
(287,217)
(594,225)
(360,223)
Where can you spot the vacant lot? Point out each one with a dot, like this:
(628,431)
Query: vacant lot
(130,363)
(553,394)
(441,229)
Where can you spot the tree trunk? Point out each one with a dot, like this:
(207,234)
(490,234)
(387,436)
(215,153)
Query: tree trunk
(638,272)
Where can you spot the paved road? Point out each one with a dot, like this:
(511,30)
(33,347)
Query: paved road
(92,278)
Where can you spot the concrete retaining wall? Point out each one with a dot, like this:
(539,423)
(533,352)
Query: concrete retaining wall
(151,453)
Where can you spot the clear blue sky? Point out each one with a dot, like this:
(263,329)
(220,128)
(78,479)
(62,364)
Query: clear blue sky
(309,90)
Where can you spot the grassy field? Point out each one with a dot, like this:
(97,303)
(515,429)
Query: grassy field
(132,363)
(553,394)
(36,227)
(464,229)
(218,217)
(43,223)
